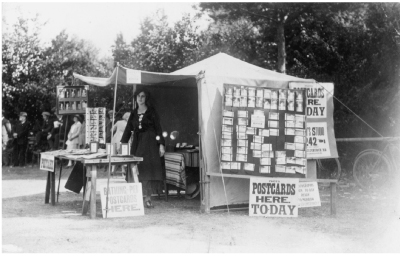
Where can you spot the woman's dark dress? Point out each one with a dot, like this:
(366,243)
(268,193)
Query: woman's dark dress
(145,144)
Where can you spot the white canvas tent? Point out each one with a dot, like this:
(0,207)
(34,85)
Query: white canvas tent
(208,77)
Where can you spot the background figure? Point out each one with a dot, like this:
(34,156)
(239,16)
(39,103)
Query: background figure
(73,136)
(148,143)
(51,138)
(81,136)
(45,129)
(6,136)
(119,127)
(20,143)
(109,119)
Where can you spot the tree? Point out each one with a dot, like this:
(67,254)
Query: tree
(22,58)
(271,19)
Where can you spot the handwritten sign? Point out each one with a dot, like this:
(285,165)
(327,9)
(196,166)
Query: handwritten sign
(273,197)
(46,162)
(308,194)
(124,200)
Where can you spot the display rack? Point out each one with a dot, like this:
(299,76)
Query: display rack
(72,99)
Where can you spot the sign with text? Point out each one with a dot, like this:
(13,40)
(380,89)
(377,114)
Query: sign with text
(46,162)
(125,199)
(133,76)
(319,110)
(316,106)
(317,140)
(273,197)
(309,195)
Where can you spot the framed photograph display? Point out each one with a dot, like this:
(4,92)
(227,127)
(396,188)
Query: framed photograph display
(268,127)
(72,99)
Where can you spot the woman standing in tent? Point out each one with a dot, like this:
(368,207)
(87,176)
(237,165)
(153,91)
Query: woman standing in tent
(119,127)
(148,143)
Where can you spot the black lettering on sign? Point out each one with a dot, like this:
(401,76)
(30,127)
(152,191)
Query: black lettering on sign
(317,131)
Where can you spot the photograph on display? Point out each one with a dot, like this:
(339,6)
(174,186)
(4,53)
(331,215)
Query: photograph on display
(242,143)
(249,167)
(242,114)
(235,166)
(267,103)
(228,113)
(265,169)
(236,101)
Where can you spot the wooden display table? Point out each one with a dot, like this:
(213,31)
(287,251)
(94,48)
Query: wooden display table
(91,173)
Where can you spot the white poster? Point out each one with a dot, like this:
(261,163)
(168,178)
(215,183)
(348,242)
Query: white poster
(125,199)
(257,121)
(133,76)
(317,140)
(308,194)
(46,162)
(273,197)
(316,106)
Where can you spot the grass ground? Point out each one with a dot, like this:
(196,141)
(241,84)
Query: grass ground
(365,222)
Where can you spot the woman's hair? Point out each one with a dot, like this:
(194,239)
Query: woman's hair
(148,99)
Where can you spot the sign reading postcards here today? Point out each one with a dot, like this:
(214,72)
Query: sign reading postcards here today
(263,131)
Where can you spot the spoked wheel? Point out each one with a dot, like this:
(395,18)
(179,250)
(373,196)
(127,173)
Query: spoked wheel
(329,168)
(371,169)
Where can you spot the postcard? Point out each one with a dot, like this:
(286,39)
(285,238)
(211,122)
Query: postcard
(273,116)
(242,143)
(280,168)
(263,132)
(265,169)
(273,132)
(265,161)
(242,113)
(228,113)
(248,167)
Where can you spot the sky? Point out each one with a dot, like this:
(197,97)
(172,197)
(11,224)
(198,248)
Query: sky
(98,22)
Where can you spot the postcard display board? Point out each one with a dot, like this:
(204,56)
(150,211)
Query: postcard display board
(95,125)
(263,132)
(72,99)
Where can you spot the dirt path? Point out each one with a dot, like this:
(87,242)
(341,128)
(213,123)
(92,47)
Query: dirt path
(364,223)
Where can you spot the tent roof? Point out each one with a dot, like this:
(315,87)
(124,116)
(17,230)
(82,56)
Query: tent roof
(225,65)
(220,65)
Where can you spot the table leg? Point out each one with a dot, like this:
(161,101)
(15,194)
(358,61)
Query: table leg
(333,198)
(53,187)
(134,172)
(47,192)
(58,186)
(93,192)
(87,194)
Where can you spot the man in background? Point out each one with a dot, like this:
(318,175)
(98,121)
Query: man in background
(20,135)
(45,129)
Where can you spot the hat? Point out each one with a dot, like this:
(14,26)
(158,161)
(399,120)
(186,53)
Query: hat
(45,114)
(23,114)
(110,112)
(78,116)
(192,191)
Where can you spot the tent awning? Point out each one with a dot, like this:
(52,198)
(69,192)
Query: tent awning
(144,77)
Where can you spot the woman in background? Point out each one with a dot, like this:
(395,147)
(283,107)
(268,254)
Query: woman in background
(73,136)
(119,127)
(148,143)
(81,136)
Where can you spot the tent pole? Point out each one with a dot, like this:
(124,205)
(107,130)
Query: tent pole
(110,156)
